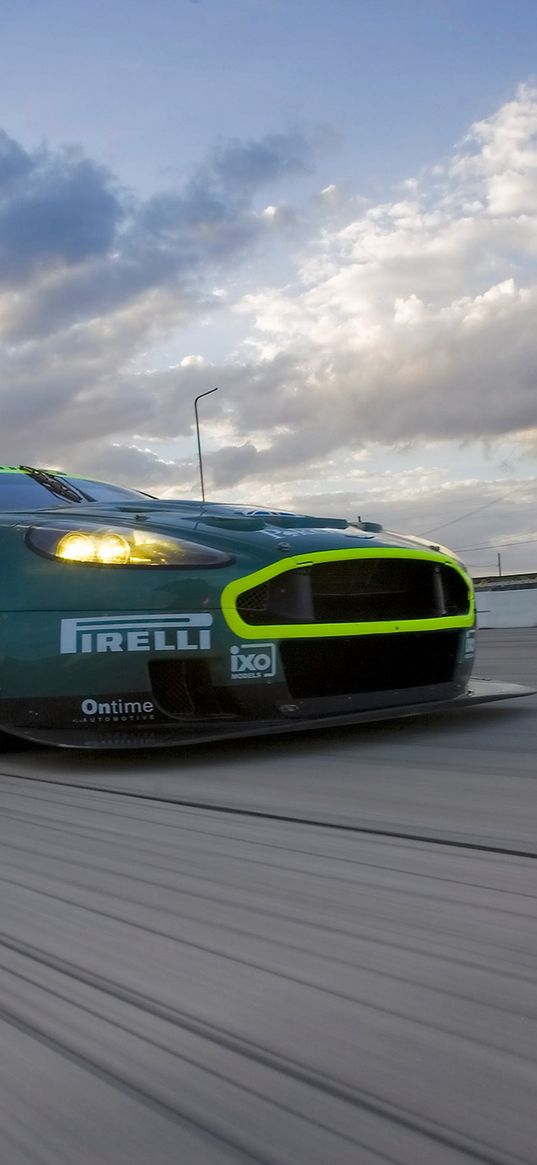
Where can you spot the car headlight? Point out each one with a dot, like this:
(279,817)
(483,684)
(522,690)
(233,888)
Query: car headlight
(89,545)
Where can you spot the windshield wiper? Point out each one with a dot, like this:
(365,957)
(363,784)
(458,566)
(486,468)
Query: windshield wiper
(52,483)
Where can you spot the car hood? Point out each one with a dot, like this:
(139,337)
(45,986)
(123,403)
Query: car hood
(272,533)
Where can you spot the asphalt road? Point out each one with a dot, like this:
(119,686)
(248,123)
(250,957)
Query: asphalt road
(311,950)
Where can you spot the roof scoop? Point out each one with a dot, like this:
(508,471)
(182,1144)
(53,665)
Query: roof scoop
(258,520)
(369,527)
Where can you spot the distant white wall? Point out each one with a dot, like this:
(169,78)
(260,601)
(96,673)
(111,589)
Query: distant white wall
(507,608)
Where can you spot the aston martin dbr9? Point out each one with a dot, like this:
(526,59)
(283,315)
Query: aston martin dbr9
(129,621)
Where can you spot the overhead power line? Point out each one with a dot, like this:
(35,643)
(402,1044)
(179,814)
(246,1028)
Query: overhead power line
(469,513)
(496,545)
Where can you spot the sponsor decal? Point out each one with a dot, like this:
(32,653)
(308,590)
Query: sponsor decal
(135,633)
(253,663)
(115,711)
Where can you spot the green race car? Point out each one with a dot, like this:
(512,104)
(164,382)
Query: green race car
(129,621)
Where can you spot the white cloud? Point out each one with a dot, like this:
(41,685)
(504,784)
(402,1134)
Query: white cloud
(194,362)
(400,323)
(415,318)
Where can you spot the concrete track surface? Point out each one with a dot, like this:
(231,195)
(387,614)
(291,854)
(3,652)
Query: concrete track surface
(312,950)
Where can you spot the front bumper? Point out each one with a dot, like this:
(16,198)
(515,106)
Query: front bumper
(395,705)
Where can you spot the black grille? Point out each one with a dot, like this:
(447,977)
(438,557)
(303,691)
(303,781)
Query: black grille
(368,663)
(183,688)
(357,590)
(256,599)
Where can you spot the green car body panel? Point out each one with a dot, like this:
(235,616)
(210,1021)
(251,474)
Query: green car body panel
(285,622)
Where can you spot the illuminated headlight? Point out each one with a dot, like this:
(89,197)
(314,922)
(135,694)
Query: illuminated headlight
(118,546)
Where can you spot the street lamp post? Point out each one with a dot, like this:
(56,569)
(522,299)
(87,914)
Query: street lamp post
(202,394)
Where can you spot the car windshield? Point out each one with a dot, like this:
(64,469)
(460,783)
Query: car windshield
(20,491)
(101,491)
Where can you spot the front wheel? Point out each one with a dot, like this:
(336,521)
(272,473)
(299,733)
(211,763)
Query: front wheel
(9,743)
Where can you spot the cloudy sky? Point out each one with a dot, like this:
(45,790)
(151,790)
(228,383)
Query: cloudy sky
(328,209)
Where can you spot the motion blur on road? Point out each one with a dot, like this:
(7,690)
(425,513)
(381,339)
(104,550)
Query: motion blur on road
(308,950)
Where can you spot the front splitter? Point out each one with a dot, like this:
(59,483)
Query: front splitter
(199,732)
